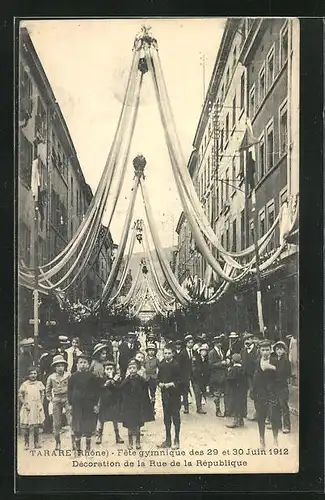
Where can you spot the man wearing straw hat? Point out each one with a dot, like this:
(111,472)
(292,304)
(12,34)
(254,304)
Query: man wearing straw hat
(128,351)
(57,393)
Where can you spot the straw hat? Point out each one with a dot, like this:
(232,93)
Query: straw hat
(152,347)
(280,343)
(204,347)
(98,348)
(233,335)
(59,360)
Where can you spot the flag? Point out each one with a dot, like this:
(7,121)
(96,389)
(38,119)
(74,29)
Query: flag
(36,179)
(249,144)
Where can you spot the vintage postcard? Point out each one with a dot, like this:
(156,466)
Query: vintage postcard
(158,241)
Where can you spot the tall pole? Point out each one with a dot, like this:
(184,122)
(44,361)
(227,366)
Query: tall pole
(35,267)
(258,276)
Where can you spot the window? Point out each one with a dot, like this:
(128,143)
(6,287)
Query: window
(227,78)
(24,243)
(252,102)
(227,238)
(204,180)
(270,147)
(261,157)
(72,191)
(223,240)
(227,185)
(234,112)
(242,230)
(262,223)
(221,194)
(234,57)
(26,94)
(283,130)
(221,141)
(242,91)
(227,128)
(40,118)
(251,231)
(25,159)
(283,45)
(71,228)
(261,81)
(270,222)
(77,202)
(217,201)
(241,173)
(243,33)
(209,171)
(270,68)
(283,196)
(205,141)
(222,93)
(233,174)
(234,235)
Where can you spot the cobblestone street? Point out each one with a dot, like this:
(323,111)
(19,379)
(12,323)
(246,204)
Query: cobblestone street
(206,443)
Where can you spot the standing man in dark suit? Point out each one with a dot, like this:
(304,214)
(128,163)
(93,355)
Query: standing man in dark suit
(186,375)
(217,364)
(127,350)
(249,357)
(200,376)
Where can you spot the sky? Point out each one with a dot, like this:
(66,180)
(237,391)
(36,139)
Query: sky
(87,63)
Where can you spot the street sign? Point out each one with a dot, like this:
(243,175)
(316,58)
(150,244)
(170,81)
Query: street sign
(32,321)
(50,323)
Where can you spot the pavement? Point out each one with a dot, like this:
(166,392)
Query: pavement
(206,446)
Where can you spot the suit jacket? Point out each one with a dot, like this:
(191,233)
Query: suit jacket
(200,370)
(217,369)
(184,362)
(125,355)
(249,361)
(283,371)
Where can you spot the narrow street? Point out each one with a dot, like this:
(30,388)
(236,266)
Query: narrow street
(205,440)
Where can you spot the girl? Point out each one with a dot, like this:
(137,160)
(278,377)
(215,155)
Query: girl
(140,357)
(83,394)
(98,358)
(31,396)
(282,376)
(109,402)
(238,391)
(136,408)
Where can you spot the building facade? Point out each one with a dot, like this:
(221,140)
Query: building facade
(64,195)
(255,78)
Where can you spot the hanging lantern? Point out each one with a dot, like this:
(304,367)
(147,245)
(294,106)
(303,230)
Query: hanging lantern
(142,65)
(139,237)
(139,164)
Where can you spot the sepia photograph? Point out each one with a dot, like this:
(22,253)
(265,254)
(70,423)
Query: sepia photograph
(158,246)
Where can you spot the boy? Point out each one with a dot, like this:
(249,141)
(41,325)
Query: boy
(57,393)
(151,367)
(264,393)
(283,372)
(168,380)
(217,364)
(83,395)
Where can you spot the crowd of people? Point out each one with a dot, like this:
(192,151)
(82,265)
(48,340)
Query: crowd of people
(117,381)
